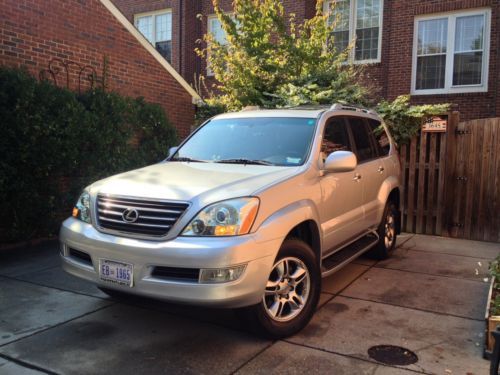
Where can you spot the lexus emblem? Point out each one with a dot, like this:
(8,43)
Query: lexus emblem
(130,215)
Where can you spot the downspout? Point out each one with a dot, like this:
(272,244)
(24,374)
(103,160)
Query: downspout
(182,69)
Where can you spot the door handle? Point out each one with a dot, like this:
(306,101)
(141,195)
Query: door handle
(380,169)
(357,177)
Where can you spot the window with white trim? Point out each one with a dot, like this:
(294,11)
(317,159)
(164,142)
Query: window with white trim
(359,20)
(451,53)
(215,28)
(157,29)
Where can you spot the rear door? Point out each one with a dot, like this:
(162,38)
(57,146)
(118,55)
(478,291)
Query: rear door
(341,210)
(371,168)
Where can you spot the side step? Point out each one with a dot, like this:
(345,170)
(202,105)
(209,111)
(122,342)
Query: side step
(342,257)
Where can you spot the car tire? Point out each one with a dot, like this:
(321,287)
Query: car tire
(291,295)
(387,232)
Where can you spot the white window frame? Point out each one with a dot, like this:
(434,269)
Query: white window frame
(211,17)
(352,30)
(450,51)
(155,13)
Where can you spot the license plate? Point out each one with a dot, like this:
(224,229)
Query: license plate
(116,272)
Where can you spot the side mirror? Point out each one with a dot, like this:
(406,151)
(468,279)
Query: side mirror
(341,161)
(172,150)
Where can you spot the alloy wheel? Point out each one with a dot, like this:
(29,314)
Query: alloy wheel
(287,289)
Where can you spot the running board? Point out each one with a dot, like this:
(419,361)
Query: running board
(342,257)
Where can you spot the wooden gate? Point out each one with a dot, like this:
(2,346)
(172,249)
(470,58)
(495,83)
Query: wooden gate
(451,181)
(473,184)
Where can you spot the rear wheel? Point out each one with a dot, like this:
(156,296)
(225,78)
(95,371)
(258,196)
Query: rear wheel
(387,232)
(291,294)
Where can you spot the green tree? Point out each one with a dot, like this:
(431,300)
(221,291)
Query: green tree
(271,60)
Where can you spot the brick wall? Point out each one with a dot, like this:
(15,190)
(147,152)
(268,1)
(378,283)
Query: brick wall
(389,78)
(397,50)
(185,29)
(84,31)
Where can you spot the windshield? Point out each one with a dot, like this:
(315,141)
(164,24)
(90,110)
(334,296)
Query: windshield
(266,141)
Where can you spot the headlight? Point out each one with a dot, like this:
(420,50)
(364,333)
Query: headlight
(228,218)
(82,207)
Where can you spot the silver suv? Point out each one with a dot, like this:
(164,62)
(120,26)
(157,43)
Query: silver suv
(249,212)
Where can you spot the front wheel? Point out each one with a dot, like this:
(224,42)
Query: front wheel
(291,294)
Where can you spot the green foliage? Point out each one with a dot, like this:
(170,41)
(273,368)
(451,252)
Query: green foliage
(404,120)
(495,273)
(207,110)
(54,142)
(271,60)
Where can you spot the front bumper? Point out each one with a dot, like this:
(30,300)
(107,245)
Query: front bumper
(181,252)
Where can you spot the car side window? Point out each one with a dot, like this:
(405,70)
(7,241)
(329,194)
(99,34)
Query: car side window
(364,148)
(381,139)
(336,137)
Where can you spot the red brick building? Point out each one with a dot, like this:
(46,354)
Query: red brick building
(439,51)
(66,35)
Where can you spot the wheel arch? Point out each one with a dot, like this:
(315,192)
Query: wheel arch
(298,220)
(390,190)
(308,232)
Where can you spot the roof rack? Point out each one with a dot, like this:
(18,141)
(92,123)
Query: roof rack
(349,107)
(250,108)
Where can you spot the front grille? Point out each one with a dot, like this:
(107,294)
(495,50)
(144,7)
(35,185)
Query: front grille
(175,273)
(81,256)
(152,217)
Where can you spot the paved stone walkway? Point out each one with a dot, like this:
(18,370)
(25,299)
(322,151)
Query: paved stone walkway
(429,297)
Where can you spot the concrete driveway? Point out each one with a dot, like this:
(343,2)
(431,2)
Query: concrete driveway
(429,298)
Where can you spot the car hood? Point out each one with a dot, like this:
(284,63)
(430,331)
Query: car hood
(184,181)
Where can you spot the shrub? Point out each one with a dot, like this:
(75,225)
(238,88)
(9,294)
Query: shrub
(53,142)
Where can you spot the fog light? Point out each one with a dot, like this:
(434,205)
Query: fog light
(221,275)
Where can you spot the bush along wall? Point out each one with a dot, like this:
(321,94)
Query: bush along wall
(54,142)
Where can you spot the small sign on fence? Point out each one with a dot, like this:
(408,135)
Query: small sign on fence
(435,124)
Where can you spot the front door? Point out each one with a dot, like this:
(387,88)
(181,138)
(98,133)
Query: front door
(341,209)
(371,169)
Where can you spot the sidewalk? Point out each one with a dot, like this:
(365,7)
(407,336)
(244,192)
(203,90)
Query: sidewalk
(429,298)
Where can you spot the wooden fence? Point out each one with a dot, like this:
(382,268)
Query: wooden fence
(451,181)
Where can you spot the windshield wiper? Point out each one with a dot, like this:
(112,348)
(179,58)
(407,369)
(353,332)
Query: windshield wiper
(184,158)
(244,161)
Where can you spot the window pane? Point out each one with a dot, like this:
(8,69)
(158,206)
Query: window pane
(165,49)
(432,36)
(215,28)
(469,33)
(164,27)
(430,72)
(145,26)
(340,12)
(336,138)
(364,150)
(367,29)
(367,44)
(367,14)
(381,138)
(341,40)
(467,68)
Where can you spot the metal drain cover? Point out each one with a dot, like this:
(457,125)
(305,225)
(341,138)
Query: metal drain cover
(392,355)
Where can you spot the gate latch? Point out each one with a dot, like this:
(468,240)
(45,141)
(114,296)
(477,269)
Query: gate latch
(462,178)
